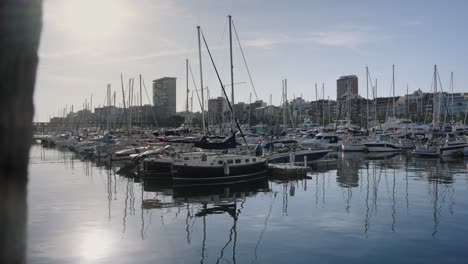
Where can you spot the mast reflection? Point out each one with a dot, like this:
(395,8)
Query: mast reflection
(208,201)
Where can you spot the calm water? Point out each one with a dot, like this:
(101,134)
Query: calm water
(362,210)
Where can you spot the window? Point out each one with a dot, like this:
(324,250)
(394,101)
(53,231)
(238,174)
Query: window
(254,160)
(220,162)
(238,161)
(186,158)
(230,161)
(247,160)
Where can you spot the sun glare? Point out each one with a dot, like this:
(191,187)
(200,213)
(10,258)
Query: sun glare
(92,19)
(95,244)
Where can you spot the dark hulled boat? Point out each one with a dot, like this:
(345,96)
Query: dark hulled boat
(216,169)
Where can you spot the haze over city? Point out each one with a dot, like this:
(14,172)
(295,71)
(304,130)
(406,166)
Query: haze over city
(87,44)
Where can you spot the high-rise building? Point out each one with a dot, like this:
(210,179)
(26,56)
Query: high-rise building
(164,96)
(217,109)
(346,84)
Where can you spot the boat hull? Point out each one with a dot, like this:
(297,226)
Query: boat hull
(353,147)
(298,156)
(184,175)
(160,166)
(453,150)
(383,147)
(456,150)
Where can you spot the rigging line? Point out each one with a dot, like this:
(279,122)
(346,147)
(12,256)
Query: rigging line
(245,61)
(146,92)
(224,31)
(222,87)
(370,81)
(210,73)
(442,91)
(194,84)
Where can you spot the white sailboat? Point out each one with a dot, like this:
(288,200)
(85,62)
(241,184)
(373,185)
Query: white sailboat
(385,143)
(440,143)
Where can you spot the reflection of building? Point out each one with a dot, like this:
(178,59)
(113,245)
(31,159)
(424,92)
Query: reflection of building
(164,96)
(346,84)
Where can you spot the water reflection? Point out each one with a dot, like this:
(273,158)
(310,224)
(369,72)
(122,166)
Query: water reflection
(205,202)
(374,199)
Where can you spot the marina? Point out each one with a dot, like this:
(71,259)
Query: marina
(233,132)
(369,203)
(347,188)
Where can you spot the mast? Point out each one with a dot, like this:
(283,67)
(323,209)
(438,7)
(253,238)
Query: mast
(407,103)
(367,97)
(232,65)
(191,110)
(284,104)
(348,103)
(141,106)
(187,90)
(316,104)
(123,97)
(108,105)
(250,107)
(435,110)
(451,84)
(323,108)
(115,120)
(130,104)
(201,82)
(375,103)
(393,84)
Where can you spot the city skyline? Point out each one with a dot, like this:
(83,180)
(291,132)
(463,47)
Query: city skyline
(85,46)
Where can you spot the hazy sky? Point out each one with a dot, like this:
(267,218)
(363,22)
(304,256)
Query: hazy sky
(86,44)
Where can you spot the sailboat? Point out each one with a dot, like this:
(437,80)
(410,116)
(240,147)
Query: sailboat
(440,143)
(356,142)
(205,168)
(384,143)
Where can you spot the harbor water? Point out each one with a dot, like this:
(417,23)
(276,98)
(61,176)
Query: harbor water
(361,209)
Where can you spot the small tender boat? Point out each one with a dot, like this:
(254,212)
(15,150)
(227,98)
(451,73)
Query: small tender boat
(298,156)
(287,170)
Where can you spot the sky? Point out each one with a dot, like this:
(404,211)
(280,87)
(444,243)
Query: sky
(87,44)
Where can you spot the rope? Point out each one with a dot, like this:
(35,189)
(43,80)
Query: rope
(194,84)
(222,87)
(152,112)
(245,61)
